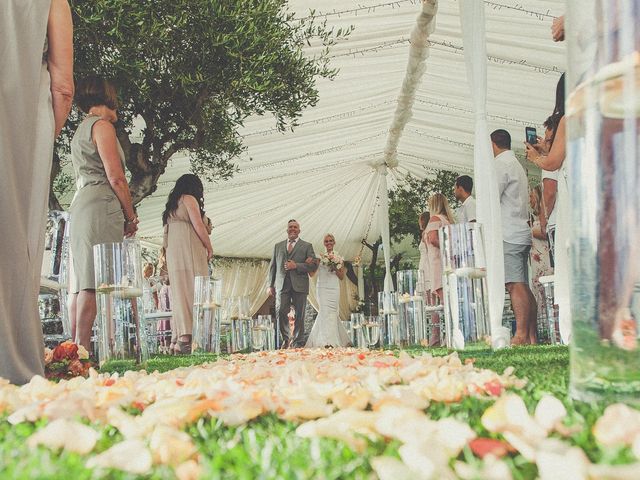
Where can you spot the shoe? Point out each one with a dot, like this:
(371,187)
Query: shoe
(182,347)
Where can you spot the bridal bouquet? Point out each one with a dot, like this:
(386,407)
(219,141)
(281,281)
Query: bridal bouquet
(332,260)
(67,360)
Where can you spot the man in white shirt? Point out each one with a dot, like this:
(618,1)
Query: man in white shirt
(516,235)
(462,191)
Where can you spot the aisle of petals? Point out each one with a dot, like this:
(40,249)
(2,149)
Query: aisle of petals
(351,395)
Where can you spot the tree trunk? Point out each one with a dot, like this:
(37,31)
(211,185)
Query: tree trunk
(395,264)
(372,293)
(54,203)
(144,172)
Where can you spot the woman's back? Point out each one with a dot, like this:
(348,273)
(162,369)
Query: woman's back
(87,164)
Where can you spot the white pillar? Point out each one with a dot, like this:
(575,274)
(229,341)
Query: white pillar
(472,19)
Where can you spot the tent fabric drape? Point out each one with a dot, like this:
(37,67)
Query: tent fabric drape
(472,17)
(244,278)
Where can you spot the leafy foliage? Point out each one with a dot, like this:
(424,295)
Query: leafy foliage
(408,201)
(191,71)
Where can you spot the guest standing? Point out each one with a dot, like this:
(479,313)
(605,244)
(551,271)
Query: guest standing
(36,92)
(516,236)
(424,284)
(462,191)
(440,216)
(101,210)
(188,250)
(540,259)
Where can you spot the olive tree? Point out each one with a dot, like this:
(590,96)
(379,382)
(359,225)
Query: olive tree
(191,71)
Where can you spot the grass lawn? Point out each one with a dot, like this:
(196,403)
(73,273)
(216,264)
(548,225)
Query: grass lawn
(269,448)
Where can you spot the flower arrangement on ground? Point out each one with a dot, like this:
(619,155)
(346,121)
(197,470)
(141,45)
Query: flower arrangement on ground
(67,360)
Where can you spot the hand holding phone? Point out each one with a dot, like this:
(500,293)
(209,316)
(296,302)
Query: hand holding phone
(531,135)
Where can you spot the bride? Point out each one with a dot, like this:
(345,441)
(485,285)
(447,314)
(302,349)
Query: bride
(327,329)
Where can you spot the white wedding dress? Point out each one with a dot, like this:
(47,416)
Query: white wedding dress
(327,329)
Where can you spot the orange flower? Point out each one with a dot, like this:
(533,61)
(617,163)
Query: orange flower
(76,367)
(482,447)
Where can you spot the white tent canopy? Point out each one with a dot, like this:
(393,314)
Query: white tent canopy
(324,174)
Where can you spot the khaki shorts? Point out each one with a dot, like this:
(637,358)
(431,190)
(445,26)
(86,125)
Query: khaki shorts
(516,262)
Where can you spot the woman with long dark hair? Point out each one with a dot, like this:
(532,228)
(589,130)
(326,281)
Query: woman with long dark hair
(550,156)
(188,249)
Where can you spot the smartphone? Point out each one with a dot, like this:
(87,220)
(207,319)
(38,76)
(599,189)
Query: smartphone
(531,135)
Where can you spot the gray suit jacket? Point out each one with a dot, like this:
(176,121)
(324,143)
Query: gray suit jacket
(300,276)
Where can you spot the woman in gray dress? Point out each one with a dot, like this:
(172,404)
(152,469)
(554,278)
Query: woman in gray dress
(36,91)
(102,204)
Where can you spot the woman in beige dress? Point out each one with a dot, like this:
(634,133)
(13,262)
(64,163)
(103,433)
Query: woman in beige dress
(36,91)
(188,250)
(101,210)
(440,215)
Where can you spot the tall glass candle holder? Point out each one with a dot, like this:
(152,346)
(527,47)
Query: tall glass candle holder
(411,307)
(206,314)
(601,173)
(464,284)
(118,274)
(357,335)
(241,325)
(392,332)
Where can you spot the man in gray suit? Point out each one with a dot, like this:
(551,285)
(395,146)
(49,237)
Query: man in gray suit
(289,282)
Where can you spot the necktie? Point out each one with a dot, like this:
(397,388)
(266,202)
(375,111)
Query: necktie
(290,246)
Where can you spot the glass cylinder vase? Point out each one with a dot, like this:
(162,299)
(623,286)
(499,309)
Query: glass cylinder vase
(464,272)
(602,174)
(392,331)
(207,301)
(120,319)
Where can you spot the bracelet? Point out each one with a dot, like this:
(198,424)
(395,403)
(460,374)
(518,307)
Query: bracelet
(133,220)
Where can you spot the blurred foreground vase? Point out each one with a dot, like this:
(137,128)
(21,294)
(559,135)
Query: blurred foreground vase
(392,331)
(602,176)
(464,284)
(411,307)
(121,329)
(207,314)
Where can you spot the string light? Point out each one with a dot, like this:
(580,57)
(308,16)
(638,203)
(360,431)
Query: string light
(327,119)
(399,3)
(519,8)
(448,106)
(368,9)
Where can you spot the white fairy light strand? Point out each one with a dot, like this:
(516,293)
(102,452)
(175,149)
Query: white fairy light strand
(458,108)
(315,169)
(322,120)
(399,3)
(519,8)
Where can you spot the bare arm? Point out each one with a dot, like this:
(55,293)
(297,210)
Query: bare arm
(432,236)
(193,209)
(60,60)
(549,195)
(553,160)
(104,136)
(538,232)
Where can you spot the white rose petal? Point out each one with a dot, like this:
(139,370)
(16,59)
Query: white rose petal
(549,412)
(66,434)
(556,459)
(129,456)
(389,468)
